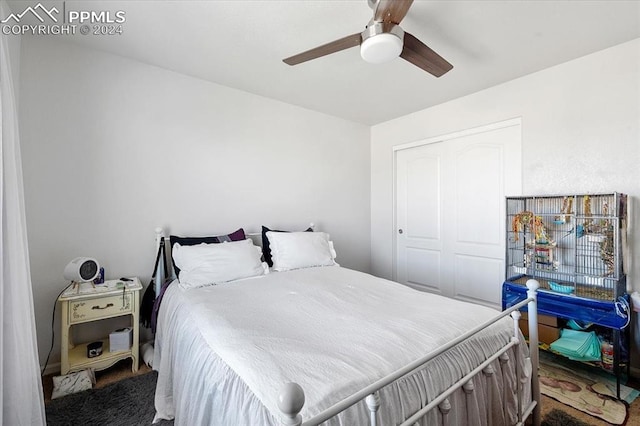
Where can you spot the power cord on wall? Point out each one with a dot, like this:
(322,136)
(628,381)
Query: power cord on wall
(53,316)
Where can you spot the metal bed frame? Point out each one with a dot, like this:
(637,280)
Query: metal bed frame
(291,396)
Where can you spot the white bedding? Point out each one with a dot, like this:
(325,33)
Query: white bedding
(223,352)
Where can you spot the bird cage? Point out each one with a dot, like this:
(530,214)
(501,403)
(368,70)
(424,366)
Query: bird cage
(571,244)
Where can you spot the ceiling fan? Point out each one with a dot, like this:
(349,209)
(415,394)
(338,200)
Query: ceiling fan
(383,40)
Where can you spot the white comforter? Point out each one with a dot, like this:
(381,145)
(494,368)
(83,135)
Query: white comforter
(330,329)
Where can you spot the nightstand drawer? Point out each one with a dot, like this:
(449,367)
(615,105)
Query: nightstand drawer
(103,307)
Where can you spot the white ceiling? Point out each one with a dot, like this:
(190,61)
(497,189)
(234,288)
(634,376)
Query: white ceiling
(241,44)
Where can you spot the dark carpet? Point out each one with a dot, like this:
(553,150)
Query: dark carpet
(124,403)
(130,402)
(557,417)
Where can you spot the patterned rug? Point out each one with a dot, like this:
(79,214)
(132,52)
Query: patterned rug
(589,392)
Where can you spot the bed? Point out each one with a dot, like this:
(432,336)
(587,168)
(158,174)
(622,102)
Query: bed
(326,344)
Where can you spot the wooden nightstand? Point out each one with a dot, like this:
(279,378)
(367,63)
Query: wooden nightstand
(87,303)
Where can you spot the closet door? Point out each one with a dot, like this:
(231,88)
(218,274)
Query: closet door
(450,215)
(419,219)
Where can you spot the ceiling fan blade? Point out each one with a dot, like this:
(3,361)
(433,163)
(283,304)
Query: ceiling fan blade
(391,10)
(420,55)
(326,49)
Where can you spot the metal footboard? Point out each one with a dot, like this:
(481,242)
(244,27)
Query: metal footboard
(291,398)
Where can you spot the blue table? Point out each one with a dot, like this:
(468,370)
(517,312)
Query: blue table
(599,312)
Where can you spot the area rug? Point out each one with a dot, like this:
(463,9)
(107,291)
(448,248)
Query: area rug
(591,393)
(557,417)
(124,403)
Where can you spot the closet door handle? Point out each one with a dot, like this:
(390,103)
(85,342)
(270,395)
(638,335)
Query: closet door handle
(400,231)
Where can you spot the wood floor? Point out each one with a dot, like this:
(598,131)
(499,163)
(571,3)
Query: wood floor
(122,370)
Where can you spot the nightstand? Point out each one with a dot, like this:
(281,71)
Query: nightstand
(85,303)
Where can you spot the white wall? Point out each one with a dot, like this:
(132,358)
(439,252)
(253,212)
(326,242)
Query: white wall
(580,134)
(113,148)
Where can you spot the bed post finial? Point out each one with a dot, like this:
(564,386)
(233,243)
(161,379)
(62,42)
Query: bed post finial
(159,235)
(532,308)
(290,402)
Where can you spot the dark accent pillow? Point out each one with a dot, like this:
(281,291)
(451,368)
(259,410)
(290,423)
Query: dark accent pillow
(193,241)
(266,250)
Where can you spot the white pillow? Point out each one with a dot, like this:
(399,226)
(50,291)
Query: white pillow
(206,264)
(295,250)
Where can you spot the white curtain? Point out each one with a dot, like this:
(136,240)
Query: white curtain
(21,386)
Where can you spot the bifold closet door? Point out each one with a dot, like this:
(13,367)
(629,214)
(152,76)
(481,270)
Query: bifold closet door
(450,214)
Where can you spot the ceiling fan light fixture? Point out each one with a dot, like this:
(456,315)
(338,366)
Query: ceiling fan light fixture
(381,48)
(381,42)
